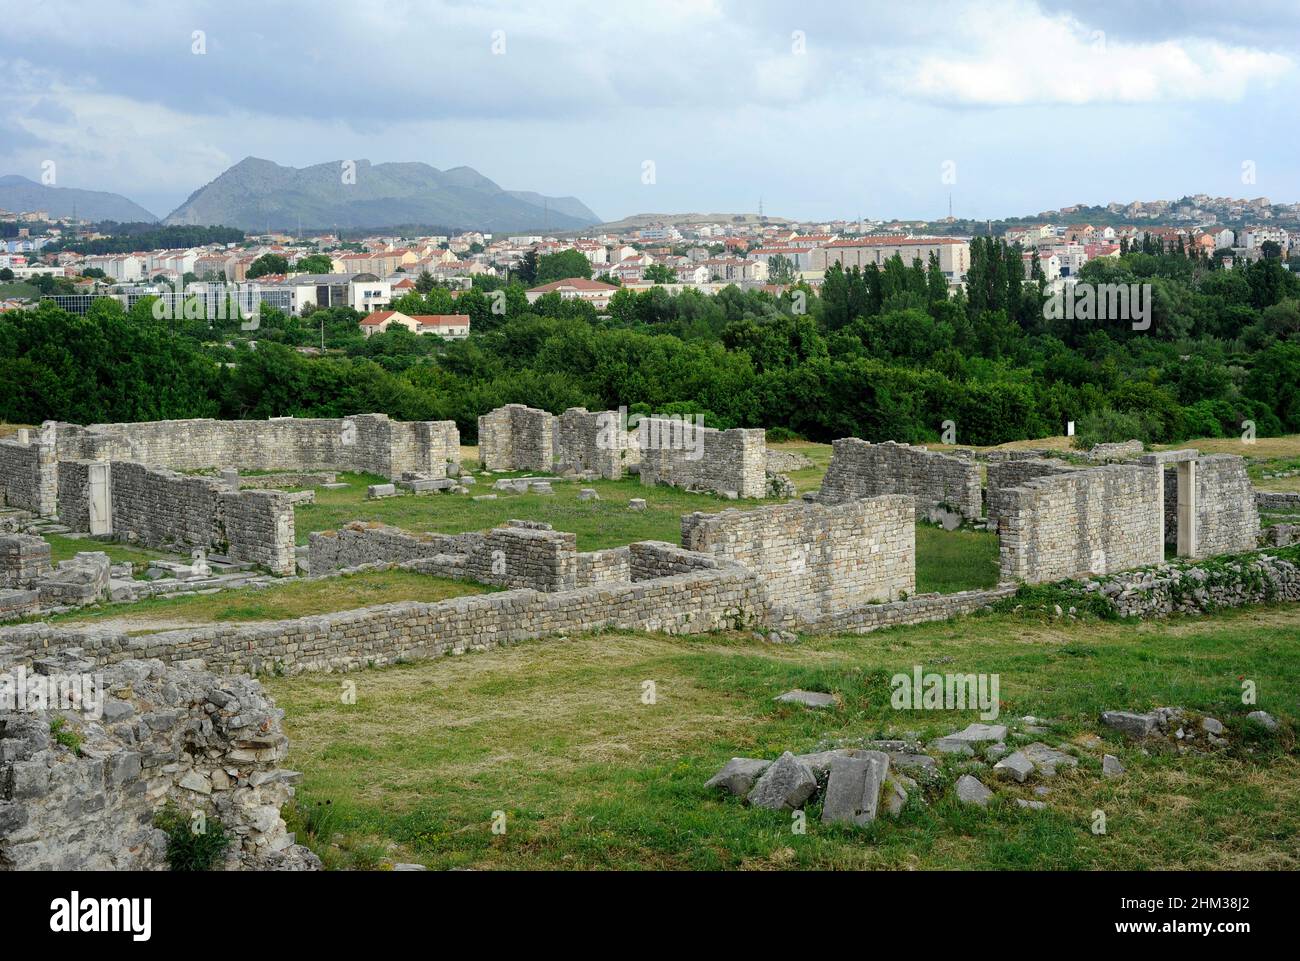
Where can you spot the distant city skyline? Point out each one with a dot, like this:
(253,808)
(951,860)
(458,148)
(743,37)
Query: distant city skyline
(823,111)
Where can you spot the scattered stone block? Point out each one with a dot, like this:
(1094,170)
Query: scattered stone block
(966,740)
(807,699)
(1032,805)
(970,790)
(1211,725)
(485,497)
(853,790)
(738,775)
(1046,759)
(784,786)
(1130,724)
(1111,766)
(1264,719)
(1016,766)
(636,504)
(588,494)
(376,491)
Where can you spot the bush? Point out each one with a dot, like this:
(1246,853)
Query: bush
(189,849)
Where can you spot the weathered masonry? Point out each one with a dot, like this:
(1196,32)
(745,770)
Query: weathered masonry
(516,437)
(1098,520)
(816,560)
(1208,504)
(29,462)
(364,442)
(162,508)
(683,454)
(587,441)
(862,469)
(1002,475)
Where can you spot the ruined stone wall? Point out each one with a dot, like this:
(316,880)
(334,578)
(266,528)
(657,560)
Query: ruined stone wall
(23,559)
(516,437)
(711,596)
(1277,500)
(520,554)
(591,441)
(702,458)
(166,734)
(1116,451)
(1001,475)
(922,609)
(814,558)
(28,476)
(861,469)
(1227,518)
(613,566)
(74,494)
(163,508)
(1098,520)
(365,442)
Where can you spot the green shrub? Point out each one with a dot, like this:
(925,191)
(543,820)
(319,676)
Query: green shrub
(190,849)
(62,735)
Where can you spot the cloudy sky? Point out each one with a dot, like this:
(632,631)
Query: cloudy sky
(822,109)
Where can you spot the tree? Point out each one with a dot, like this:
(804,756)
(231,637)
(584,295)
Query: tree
(314,264)
(561,266)
(6,274)
(660,274)
(424,283)
(267,264)
(526,270)
(780,269)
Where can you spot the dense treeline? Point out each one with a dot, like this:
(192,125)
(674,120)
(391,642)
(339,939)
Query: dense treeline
(128,238)
(882,353)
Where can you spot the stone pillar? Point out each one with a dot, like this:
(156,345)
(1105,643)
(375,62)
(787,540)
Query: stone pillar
(99,498)
(1186,508)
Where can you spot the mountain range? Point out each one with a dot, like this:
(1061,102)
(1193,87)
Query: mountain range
(256,194)
(20,194)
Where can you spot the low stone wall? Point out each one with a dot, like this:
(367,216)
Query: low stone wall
(518,555)
(863,619)
(1116,451)
(364,442)
(161,508)
(708,597)
(167,734)
(23,559)
(516,437)
(28,475)
(816,559)
(861,469)
(1227,520)
(684,455)
(1277,500)
(1002,475)
(294,479)
(1098,520)
(1200,588)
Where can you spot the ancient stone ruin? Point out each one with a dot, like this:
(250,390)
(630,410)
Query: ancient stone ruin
(936,480)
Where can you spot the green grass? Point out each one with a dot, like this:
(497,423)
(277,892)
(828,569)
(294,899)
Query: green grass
(554,734)
(65,548)
(18,289)
(279,601)
(950,561)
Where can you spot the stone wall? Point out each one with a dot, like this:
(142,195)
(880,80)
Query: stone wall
(816,559)
(701,458)
(1116,451)
(364,442)
(1277,500)
(861,469)
(1097,520)
(1227,518)
(1002,475)
(518,555)
(28,475)
(921,609)
(162,508)
(591,441)
(516,437)
(709,596)
(166,734)
(23,559)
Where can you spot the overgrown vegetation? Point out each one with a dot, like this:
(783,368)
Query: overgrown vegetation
(193,843)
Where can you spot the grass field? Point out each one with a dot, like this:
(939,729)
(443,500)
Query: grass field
(554,734)
(65,548)
(292,599)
